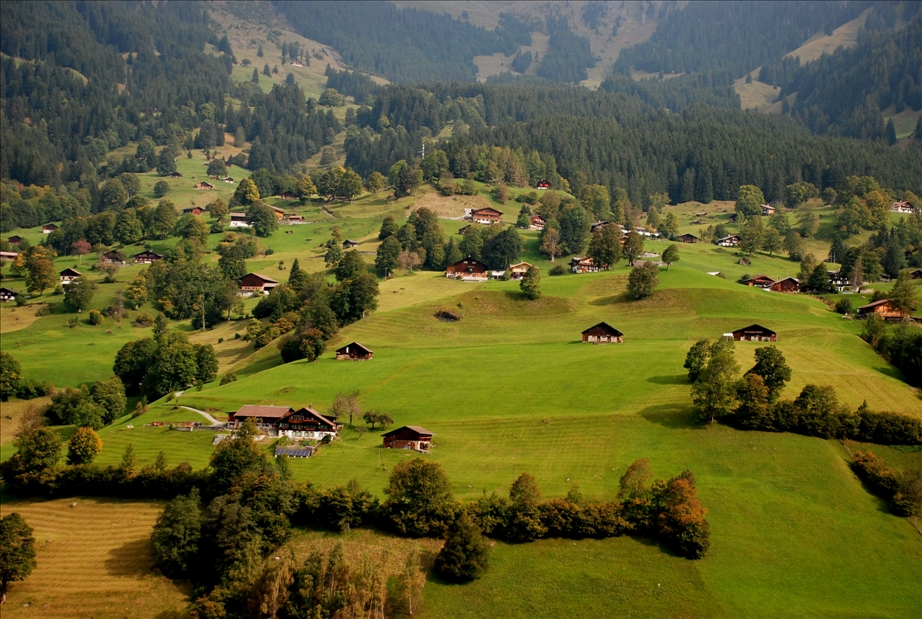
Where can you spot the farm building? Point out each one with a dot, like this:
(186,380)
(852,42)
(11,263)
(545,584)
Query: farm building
(767,210)
(203,185)
(759,281)
(254,282)
(279,212)
(227,179)
(542,184)
(497,274)
(586,264)
(350,244)
(354,352)
(788,284)
(517,271)
(729,241)
(883,308)
(295,219)
(146,257)
(602,333)
(464,229)
(915,274)
(536,222)
(113,257)
(8,255)
(285,421)
(596,226)
(195,210)
(49,228)
(487,215)
(755,333)
(238,220)
(838,280)
(469,269)
(901,207)
(15,239)
(687,238)
(409,437)
(7,294)
(68,275)
(175,175)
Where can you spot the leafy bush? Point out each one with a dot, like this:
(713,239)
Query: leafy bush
(844,305)
(95,317)
(558,270)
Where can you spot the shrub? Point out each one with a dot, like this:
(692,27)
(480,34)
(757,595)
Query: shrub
(161,188)
(465,555)
(844,305)
(44,310)
(143,320)
(558,270)
(419,501)
(95,317)
(228,378)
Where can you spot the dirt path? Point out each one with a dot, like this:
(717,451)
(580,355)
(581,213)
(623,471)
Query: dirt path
(213,421)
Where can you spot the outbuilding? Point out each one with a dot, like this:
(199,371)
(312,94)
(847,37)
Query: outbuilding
(7,294)
(788,284)
(755,333)
(759,281)
(354,352)
(238,220)
(602,333)
(883,308)
(585,264)
(350,244)
(113,257)
(543,184)
(518,271)
(204,185)
(49,228)
(687,238)
(409,437)
(68,275)
(254,282)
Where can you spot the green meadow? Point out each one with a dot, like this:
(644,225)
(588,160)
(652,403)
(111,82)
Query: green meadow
(511,388)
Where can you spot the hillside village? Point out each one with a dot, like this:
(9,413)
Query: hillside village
(545,327)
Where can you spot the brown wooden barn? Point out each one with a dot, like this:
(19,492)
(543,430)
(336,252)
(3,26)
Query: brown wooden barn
(15,239)
(195,210)
(113,257)
(204,185)
(49,228)
(146,257)
(602,333)
(542,184)
(254,282)
(409,437)
(687,238)
(759,281)
(350,244)
(915,274)
(883,308)
(788,284)
(487,215)
(755,333)
(468,269)
(354,352)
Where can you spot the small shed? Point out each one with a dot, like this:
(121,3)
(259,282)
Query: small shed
(195,210)
(68,275)
(228,179)
(883,308)
(7,294)
(687,238)
(768,210)
(729,241)
(238,220)
(175,175)
(463,229)
(113,257)
(409,437)
(915,274)
(49,228)
(788,284)
(755,333)
(602,333)
(354,352)
(203,185)
(759,281)
(536,222)
(146,257)
(15,239)
(350,244)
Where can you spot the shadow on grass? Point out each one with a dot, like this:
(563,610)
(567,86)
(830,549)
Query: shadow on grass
(671,416)
(611,300)
(676,379)
(131,559)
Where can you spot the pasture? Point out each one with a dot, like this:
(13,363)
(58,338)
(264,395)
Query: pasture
(510,388)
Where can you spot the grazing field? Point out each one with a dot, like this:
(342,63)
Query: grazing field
(93,561)
(845,35)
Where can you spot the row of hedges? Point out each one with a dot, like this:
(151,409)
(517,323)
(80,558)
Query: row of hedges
(903,491)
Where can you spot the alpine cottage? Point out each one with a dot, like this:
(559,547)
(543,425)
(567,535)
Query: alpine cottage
(755,333)
(470,270)
(252,283)
(354,352)
(602,333)
(409,437)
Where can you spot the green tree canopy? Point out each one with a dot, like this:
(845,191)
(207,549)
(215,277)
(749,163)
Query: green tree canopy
(83,446)
(419,499)
(749,201)
(17,550)
(465,555)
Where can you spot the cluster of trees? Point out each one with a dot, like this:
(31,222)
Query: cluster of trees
(903,490)
(167,362)
(403,45)
(568,55)
(12,383)
(17,550)
(352,83)
(902,347)
(93,407)
(32,206)
(753,401)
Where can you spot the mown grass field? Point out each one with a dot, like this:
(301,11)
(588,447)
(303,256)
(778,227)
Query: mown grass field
(93,560)
(510,388)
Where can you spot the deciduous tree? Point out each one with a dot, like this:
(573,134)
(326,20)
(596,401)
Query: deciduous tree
(83,446)
(419,499)
(531,284)
(643,281)
(17,550)
(671,255)
(773,368)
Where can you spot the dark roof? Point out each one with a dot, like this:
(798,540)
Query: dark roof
(262,277)
(607,327)
(417,429)
(147,252)
(307,411)
(467,260)
(758,277)
(8,291)
(874,304)
(252,410)
(687,234)
(70,271)
(344,349)
(484,209)
(755,328)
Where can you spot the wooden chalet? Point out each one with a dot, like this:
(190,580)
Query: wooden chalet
(227,179)
(915,274)
(350,244)
(49,228)
(536,222)
(487,215)
(279,212)
(295,219)
(517,271)
(788,284)
(409,437)
(288,196)
(203,185)
(586,264)
(354,352)
(729,241)
(469,269)
(7,294)
(195,210)
(759,281)
(254,282)
(687,238)
(113,257)
(901,207)
(767,210)
(755,333)
(238,220)
(285,421)
(15,239)
(883,308)
(838,280)
(543,184)
(146,257)
(175,174)
(68,275)
(602,333)
(8,255)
